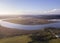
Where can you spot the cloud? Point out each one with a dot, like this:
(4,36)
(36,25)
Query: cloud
(11,11)
(54,11)
(6,9)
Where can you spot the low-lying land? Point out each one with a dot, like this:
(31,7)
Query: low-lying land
(28,21)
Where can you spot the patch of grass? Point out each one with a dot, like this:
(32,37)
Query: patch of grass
(17,39)
(54,41)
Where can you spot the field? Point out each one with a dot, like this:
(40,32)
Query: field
(55,41)
(28,21)
(23,39)
(16,39)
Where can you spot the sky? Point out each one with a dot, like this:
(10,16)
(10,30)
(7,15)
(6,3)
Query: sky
(22,7)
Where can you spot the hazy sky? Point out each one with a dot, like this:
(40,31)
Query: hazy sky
(29,7)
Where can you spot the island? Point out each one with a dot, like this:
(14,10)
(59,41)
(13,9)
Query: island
(29,21)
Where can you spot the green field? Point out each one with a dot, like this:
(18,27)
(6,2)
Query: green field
(16,39)
(55,41)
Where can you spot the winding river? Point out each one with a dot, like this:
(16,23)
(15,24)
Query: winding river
(28,27)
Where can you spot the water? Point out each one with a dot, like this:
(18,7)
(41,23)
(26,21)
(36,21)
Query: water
(28,27)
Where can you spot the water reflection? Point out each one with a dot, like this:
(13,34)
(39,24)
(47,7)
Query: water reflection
(28,27)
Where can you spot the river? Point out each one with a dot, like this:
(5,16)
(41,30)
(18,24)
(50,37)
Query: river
(28,27)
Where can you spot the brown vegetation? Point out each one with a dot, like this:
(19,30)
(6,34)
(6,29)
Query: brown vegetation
(29,21)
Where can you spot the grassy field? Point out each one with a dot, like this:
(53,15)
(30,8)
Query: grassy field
(23,39)
(55,41)
(16,39)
